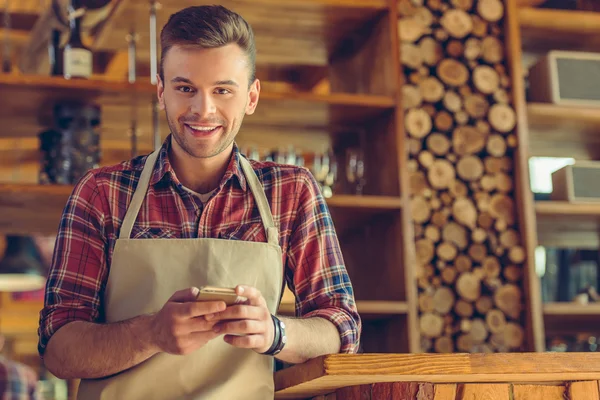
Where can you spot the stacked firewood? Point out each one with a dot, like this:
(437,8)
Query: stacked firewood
(460,127)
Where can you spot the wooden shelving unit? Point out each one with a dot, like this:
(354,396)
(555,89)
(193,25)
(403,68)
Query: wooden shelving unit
(559,131)
(556,131)
(569,318)
(563,224)
(321,89)
(547,29)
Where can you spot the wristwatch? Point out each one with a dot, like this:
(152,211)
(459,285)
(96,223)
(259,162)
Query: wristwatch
(279,337)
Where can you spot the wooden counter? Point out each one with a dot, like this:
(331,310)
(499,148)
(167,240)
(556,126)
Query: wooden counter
(531,376)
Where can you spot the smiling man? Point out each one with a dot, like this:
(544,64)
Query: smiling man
(137,239)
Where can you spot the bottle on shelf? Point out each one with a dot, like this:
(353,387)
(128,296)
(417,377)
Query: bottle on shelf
(54,53)
(77,58)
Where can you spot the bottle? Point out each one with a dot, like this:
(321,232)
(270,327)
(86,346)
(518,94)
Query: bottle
(77,58)
(54,53)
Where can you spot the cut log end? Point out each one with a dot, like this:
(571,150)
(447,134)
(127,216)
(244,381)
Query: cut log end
(441,174)
(443,300)
(490,10)
(457,23)
(470,168)
(438,143)
(432,90)
(486,79)
(444,344)
(496,321)
(418,123)
(431,325)
(462,263)
(502,118)
(468,286)
(452,72)
(446,251)
(464,212)
(508,299)
(463,308)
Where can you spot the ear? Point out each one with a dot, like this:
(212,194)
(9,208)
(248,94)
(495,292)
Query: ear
(253,95)
(160,92)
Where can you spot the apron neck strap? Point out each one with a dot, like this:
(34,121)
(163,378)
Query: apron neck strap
(138,196)
(261,201)
(255,186)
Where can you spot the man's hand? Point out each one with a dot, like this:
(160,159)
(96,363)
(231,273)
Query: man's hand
(251,319)
(181,326)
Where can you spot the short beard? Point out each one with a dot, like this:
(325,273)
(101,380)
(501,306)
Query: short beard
(180,138)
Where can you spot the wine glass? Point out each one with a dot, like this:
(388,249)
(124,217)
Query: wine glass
(355,170)
(330,178)
(325,172)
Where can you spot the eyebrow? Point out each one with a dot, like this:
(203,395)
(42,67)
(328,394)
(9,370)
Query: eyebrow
(229,82)
(180,79)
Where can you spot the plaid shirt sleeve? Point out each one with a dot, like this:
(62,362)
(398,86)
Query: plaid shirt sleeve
(17,381)
(78,271)
(316,267)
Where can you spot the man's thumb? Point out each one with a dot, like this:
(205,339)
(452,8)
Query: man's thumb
(185,295)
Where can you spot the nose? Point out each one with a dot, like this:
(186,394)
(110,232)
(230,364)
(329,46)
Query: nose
(203,104)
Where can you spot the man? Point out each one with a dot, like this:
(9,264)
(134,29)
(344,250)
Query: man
(17,380)
(137,239)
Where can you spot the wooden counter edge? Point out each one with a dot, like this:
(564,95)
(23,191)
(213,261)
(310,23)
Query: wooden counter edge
(325,374)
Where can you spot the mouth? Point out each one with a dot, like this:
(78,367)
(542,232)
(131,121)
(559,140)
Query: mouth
(202,131)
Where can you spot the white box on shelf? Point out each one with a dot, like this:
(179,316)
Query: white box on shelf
(577,183)
(566,78)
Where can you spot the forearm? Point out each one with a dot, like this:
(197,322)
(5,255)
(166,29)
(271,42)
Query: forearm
(309,338)
(84,350)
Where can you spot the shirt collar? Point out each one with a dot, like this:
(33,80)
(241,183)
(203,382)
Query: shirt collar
(164,170)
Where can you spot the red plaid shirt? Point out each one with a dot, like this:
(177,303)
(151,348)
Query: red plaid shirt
(17,381)
(314,266)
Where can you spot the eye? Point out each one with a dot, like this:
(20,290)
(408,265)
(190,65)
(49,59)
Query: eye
(184,89)
(222,91)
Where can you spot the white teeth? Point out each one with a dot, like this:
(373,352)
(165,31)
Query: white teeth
(202,128)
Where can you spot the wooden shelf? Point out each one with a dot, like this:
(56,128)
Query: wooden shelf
(571,318)
(18,202)
(355,212)
(34,96)
(323,375)
(308,110)
(546,29)
(291,32)
(28,209)
(365,202)
(51,86)
(565,224)
(367,309)
(564,131)
(277,110)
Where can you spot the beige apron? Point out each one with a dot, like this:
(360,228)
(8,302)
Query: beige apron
(146,272)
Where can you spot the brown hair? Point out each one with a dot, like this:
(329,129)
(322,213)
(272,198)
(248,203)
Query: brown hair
(208,27)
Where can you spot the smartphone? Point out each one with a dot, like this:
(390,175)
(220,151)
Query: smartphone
(212,293)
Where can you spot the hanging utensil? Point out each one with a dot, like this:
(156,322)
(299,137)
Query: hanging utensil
(6,56)
(153,42)
(132,38)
